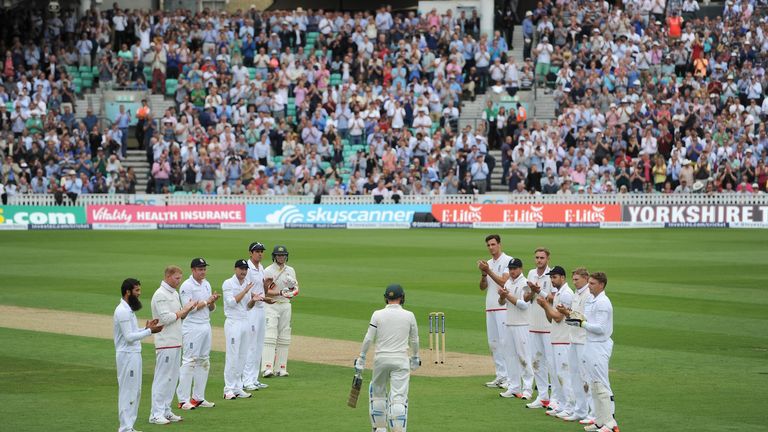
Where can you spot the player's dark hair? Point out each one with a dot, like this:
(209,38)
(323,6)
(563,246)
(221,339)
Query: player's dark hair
(493,237)
(128,285)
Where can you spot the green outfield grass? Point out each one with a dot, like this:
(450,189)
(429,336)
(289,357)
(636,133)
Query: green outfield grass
(690,312)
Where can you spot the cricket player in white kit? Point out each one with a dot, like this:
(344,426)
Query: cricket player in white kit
(495,313)
(598,322)
(277,336)
(582,395)
(561,341)
(540,328)
(516,341)
(237,294)
(256,318)
(393,330)
(128,338)
(167,309)
(196,336)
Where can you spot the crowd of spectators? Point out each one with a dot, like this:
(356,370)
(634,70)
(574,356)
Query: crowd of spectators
(649,99)
(338,103)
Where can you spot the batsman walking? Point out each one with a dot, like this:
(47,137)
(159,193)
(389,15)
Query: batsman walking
(393,330)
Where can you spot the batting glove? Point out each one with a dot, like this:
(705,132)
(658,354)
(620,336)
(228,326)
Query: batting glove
(576,322)
(359,364)
(415,362)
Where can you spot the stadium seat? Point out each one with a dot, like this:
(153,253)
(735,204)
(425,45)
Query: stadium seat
(252,73)
(84,69)
(170,86)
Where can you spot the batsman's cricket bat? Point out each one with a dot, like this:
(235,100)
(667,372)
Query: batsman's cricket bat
(354,393)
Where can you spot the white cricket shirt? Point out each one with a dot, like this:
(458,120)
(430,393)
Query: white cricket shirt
(498,266)
(537,316)
(233,309)
(579,335)
(561,332)
(599,313)
(197,291)
(393,329)
(517,314)
(126,332)
(165,304)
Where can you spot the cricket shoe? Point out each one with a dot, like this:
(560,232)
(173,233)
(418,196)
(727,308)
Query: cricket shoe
(230,396)
(203,404)
(497,383)
(261,386)
(251,387)
(538,403)
(187,405)
(526,396)
(587,421)
(173,418)
(504,385)
(159,420)
(242,395)
(572,417)
(592,428)
(511,394)
(268,373)
(553,413)
(282,373)
(563,415)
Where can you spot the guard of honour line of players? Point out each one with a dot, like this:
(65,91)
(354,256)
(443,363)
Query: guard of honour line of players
(539,331)
(181,324)
(542,331)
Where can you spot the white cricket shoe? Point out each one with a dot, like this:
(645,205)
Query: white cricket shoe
(504,385)
(511,394)
(230,396)
(204,404)
(268,373)
(261,386)
(591,428)
(187,405)
(564,414)
(243,395)
(538,403)
(571,418)
(250,387)
(173,418)
(526,395)
(552,413)
(282,373)
(587,421)
(495,383)
(159,420)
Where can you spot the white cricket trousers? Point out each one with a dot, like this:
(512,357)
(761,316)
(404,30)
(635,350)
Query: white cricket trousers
(582,397)
(518,358)
(236,332)
(393,371)
(561,381)
(255,346)
(541,361)
(596,358)
(129,388)
(277,336)
(494,325)
(167,364)
(195,361)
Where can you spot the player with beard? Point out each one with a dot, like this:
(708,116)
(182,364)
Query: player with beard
(128,338)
